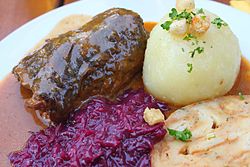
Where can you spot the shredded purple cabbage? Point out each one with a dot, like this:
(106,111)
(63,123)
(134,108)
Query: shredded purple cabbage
(101,133)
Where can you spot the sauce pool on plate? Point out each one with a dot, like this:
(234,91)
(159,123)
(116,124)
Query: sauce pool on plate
(16,121)
(242,83)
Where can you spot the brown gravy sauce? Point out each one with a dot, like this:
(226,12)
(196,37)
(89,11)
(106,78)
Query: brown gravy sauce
(17,122)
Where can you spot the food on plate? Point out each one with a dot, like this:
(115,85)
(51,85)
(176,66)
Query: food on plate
(241,5)
(100,58)
(188,5)
(101,133)
(88,81)
(191,56)
(220,134)
(182,135)
(153,116)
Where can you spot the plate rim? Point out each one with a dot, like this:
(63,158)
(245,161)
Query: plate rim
(59,11)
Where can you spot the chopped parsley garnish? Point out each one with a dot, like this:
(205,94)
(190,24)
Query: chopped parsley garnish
(203,17)
(193,13)
(166,25)
(182,49)
(199,50)
(241,96)
(173,15)
(219,22)
(185,15)
(200,11)
(211,136)
(188,37)
(190,67)
(184,135)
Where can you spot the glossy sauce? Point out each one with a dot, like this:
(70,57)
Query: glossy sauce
(242,83)
(16,121)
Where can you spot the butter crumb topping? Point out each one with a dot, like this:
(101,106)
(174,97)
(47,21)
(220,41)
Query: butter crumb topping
(153,116)
(200,24)
(185,4)
(179,27)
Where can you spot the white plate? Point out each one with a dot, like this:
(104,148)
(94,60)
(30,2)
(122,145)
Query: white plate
(15,45)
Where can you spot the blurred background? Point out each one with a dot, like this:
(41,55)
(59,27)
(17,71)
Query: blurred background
(15,13)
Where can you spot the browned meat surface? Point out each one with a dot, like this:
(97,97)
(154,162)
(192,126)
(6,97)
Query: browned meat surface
(100,58)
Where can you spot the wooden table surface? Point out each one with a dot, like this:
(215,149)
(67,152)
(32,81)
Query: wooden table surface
(15,13)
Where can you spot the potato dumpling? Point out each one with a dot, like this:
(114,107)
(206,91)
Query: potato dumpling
(173,75)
